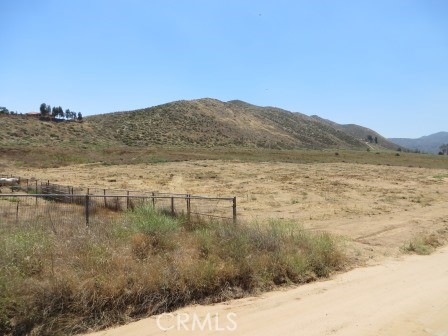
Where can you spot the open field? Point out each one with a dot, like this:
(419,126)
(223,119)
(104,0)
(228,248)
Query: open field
(57,155)
(377,207)
(381,210)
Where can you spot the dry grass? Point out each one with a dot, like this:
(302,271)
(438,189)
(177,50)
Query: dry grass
(55,156)
(425,243)
(146,263)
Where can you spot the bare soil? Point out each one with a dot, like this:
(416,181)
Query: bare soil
(377,208)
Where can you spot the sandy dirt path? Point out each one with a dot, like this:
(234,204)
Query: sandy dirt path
(407,296)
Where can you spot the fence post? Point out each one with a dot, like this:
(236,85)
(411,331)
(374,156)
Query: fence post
(172,205)
(36,187)
(188,205)
(153,200)
(234,209)
(87,209)
(127,200)
(105,202)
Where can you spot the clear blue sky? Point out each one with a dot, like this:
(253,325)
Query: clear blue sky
(381,64)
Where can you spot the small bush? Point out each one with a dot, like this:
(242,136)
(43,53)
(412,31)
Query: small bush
(423,244)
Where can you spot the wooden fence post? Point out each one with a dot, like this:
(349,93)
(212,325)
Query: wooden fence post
(87,209)
(127,200)
(153,200)
(172,205)
(105,202)
(234,209)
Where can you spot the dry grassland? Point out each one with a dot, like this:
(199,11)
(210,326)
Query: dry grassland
(378,208)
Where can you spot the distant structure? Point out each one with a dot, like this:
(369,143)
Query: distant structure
(33,114)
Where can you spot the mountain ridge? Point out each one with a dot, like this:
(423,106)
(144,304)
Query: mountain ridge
(232,123)
(428,143)
(204,122)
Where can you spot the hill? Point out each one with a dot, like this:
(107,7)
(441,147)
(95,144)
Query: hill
(25,131)
(429,144)
(361,133)
(202,123)
(210,122)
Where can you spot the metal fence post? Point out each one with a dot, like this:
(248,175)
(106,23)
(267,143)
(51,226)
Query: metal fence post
(234,209)
(172,205)
(87,205)
(153,200)
(105,202)
(36,187)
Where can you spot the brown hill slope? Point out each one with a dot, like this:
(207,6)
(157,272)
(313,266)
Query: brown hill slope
(196,123)
(25,131)
(210,122)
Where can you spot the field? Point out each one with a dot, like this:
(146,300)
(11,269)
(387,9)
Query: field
(374,206)
(377,207)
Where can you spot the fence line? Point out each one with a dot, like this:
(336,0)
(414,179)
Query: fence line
(118,199)
(17,209)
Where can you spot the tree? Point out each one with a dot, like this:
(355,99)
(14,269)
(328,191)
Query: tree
(376,140)
(370,138)
(60,112)
(4,110)
(48,110)
(43,109)
(444,149)
(54,111)
(79,116)
(68,114)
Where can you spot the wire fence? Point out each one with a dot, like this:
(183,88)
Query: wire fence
(73,214)
(120,200)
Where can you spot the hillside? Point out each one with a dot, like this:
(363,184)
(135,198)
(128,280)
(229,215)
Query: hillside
(20,130)
(200,123)
(429,144)
(361,133)
(210,122)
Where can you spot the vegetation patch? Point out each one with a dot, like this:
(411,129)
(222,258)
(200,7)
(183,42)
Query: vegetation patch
(146,263)
(440,176)
(425,244)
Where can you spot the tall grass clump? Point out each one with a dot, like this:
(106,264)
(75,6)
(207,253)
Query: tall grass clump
(145,263)
(425,244)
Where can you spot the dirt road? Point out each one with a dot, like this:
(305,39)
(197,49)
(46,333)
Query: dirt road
(399,297)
